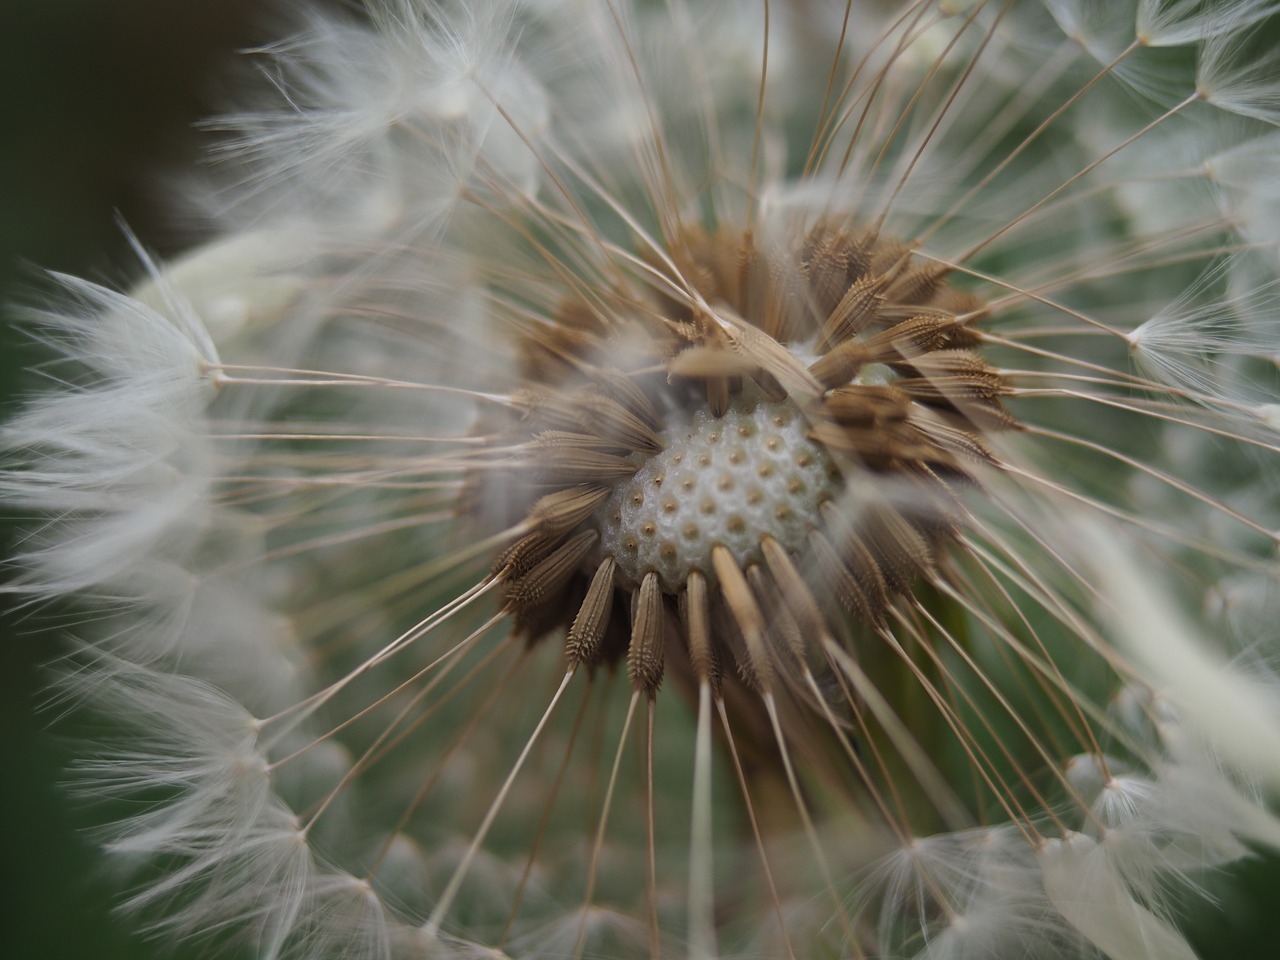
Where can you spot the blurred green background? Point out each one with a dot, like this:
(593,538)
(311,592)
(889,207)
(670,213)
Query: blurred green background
(97,98)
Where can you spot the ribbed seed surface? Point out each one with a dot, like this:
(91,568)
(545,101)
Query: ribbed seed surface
(727,480)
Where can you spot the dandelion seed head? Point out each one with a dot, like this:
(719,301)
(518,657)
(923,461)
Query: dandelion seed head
(777,476)
(632,480)
(720,449)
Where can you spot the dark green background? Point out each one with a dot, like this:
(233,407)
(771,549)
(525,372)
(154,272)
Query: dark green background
(97,98)
(96,102)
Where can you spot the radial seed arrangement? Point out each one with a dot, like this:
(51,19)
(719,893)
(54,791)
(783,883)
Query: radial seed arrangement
(691,479)
(712,468)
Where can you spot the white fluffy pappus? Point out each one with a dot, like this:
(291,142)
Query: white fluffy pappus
(689,480)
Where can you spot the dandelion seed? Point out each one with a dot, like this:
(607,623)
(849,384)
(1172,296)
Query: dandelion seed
(626,480)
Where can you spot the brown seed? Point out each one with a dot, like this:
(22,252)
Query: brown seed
(613,422)
(841,582)
(855,312)
(521,556)
(585,635)
(645,653)
(563,510)
(841,364)
(746,614)
(793,588)
(781,628)
(696,613)
(551,573)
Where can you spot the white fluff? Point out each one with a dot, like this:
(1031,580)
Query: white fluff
(1174,22)
(235,846)
(1196,343)
(1083,885)
(1249,87)
(118,459)
(1237,714)
(406,108)
(236,284)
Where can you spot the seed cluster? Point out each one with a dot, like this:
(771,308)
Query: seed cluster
(720,480)
(720,464)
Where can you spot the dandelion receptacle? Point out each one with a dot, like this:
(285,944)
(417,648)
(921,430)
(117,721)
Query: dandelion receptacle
(686,479)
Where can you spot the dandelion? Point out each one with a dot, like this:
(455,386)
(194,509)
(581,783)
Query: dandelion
(689,480)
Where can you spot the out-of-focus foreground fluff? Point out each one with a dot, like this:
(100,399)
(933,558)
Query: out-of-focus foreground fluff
(686,479)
